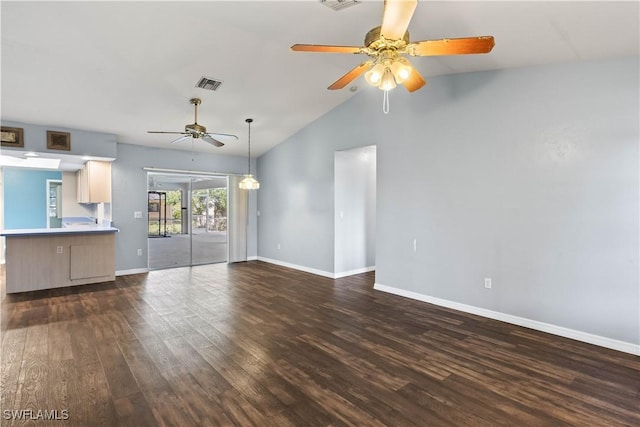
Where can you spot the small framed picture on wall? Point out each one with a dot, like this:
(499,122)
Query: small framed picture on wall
(12,137)
(58,140)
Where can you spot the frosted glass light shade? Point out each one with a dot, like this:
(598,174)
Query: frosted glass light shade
(401,70)
(374,75)
(249,183)
(388,82)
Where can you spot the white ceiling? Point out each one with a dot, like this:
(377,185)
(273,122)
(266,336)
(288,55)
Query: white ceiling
(129,67)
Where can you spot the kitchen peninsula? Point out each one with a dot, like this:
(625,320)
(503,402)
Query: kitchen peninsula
(50,258)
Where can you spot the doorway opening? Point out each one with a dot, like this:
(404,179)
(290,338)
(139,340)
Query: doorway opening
(187,220)
(355,211)
(54,203)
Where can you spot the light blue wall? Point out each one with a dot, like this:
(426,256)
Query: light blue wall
(528,176)
(25,197)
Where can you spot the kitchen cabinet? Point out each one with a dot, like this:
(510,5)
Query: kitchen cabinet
(94,182)
(53,258)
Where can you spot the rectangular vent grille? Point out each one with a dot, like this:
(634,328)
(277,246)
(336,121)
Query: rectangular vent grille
(208,84)
(339,4)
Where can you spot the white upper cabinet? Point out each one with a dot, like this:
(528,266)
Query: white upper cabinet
(94,182)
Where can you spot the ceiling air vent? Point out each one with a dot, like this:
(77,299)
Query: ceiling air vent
(339,4)
(208,84)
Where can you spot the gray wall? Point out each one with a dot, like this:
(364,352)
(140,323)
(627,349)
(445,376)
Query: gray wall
(528,176)
(129,182)
(296,201)
(83,143)
(129,188)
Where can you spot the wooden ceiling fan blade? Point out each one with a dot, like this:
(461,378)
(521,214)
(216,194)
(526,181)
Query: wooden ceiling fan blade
(325,48)
(461,46)
(396,17)
(351,76)
(415,81)
(212,141)
(181,138)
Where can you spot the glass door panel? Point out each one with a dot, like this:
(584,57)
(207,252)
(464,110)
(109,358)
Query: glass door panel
(208,220)
(169,240)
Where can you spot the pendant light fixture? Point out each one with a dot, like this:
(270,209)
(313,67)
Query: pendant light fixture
(249,182)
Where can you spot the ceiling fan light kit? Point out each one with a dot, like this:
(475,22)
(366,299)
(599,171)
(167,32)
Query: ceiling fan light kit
(387,43)
(249,182)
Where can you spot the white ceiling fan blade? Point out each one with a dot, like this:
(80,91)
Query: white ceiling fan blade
(180,139)
(172,133)
(212,141)
(223,134)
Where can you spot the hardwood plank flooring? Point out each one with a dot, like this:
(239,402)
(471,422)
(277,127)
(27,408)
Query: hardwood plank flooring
(253,344)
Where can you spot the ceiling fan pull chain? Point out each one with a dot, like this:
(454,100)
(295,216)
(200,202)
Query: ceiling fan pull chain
(385,102)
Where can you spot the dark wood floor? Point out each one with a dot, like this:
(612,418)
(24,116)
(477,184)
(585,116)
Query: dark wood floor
(255,344)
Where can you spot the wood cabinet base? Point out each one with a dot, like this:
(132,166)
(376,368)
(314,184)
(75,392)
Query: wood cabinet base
(55,261)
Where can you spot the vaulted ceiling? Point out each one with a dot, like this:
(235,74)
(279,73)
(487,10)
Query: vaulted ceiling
(129,67)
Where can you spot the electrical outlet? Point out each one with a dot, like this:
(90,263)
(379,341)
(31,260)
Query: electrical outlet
(415,245)
(137,214)
(487,282)
(278,246)
(59,249)
(139,252)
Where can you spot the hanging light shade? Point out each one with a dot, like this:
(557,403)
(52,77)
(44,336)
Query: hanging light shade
(249,182)
(401,70)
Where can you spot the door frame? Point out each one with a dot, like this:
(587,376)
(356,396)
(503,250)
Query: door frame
(58,199)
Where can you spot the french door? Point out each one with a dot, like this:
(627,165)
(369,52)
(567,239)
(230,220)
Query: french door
(206,219)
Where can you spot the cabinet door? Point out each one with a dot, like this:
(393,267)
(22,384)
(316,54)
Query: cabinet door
(94,182)
(90,261)
(82,188)
(99,181)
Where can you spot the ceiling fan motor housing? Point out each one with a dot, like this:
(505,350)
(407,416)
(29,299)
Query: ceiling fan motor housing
(374,40)
(195,129)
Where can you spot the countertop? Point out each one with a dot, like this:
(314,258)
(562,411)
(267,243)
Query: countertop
(57,231)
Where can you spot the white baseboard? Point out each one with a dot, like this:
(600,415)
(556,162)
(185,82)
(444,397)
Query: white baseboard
(132,271)
(252,258)
(516,320)
(352,272)
(297,267)
(314,270)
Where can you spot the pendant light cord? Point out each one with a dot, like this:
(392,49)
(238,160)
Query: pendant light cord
(385,102)
(249,145)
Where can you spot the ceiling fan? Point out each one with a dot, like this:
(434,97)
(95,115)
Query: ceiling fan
(386,45)
(195,131)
